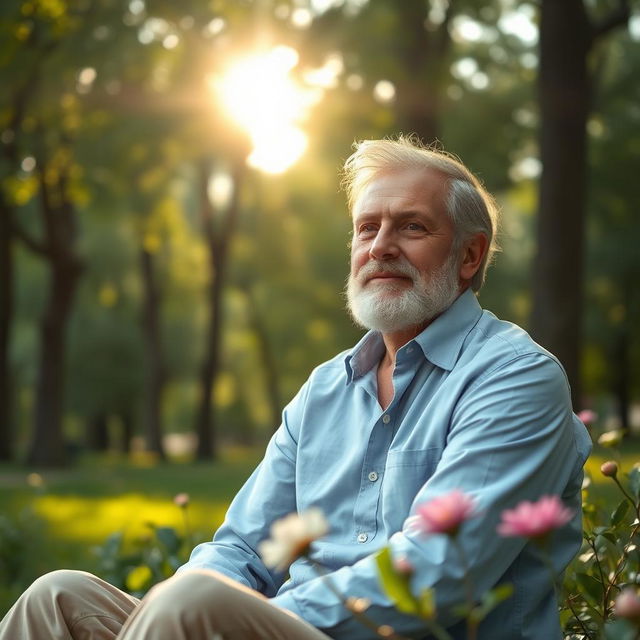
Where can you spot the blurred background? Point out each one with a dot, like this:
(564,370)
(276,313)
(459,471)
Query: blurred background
(174,242)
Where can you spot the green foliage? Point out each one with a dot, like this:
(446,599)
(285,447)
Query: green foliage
(607,563)
(114,96)
(24,552)
(148,561)
(397,587)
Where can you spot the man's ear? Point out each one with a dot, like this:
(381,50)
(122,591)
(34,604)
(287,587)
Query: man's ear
(474,251)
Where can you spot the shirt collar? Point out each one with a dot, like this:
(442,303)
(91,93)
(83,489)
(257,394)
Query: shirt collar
(440,342)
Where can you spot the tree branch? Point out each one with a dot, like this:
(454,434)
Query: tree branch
(206,211)
(29,241)
(616,18)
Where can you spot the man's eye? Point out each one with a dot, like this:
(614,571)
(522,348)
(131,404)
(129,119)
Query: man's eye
(414,226)
(367,229)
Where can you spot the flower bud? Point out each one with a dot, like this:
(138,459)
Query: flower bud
(402,566)
(182,500)
(587,416)
(609,469)
(627,604)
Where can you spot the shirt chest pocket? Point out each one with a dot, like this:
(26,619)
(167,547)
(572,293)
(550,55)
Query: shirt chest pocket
(405,473)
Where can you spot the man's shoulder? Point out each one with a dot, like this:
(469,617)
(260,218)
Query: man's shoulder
(331,368)
(500,342)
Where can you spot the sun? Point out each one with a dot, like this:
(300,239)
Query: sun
(259,93)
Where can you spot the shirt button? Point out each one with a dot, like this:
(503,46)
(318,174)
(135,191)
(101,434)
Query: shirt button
(386,418)
(373,476)
(362,537)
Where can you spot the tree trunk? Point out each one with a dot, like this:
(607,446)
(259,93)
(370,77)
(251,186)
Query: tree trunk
(126,431)
(6,315)
(206,426)
(423,55)
(267,359)
(48,445)
(565,90)
(98,433)
(155,373)
(22,95)
(621,382)
(218,238)
(564,93)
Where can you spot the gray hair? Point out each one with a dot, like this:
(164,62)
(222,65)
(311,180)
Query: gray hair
(469,205)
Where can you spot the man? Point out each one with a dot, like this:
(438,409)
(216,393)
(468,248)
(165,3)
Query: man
(438,395)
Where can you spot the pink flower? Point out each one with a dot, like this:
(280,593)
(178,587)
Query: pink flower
(627,604)
(181,499)
(535,519)
(609,469)
(443,514)
(587,416)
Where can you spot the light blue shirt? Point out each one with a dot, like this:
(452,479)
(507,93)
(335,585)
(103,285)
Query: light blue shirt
(478,406)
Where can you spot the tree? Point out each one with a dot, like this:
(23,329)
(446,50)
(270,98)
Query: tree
(22,84)
(40,33)
(565,95)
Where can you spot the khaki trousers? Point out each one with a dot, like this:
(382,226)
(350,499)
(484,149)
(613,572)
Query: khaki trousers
(193,605)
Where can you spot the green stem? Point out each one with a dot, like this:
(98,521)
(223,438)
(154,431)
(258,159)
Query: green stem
(576,616)
(542,547)
(605,601)
(434,629)
(187,528)
(472,623)
(359,616)
(636,506)
(622,561)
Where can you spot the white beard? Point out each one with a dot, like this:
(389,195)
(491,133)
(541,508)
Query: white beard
(389,308)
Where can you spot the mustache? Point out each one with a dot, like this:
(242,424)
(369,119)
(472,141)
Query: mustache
(394,267)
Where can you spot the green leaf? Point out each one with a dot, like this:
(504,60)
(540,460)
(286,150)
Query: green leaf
(113,543)
(427,604)
(610,535)
(620,630)
(619,513)
(591,586)
(491,600)
(396,586)
(565,616)
(634,481)
(169,538)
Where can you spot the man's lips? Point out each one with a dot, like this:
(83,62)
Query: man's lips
(387,276)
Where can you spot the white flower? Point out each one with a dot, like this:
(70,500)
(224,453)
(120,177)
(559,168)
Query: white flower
(611,438)
(291,537)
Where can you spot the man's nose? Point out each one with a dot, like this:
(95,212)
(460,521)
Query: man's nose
(384,245)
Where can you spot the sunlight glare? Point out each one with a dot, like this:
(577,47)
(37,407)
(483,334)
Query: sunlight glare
(260,95)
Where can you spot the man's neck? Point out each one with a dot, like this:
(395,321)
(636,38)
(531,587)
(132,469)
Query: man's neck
(397,339)
(394,341)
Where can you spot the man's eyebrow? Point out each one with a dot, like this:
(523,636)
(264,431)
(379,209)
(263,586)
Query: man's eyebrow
(398,215)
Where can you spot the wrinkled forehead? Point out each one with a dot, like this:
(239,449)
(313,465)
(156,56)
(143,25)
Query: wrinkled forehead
(402,189)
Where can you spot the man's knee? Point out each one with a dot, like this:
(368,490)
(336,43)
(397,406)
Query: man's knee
(195,590)
(62,581)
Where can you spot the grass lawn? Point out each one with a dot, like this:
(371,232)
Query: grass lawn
(54,519)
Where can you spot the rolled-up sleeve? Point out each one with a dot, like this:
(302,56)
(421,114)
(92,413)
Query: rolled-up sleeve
(268,495)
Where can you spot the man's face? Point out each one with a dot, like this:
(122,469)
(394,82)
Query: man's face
(402,272)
